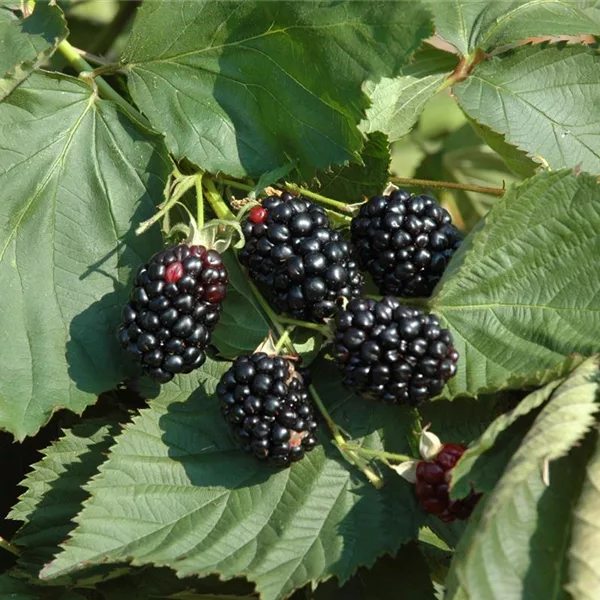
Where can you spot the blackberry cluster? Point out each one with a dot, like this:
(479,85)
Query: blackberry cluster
(404,242)
(302,265)
(431,486)
(391,352)
(174,306)
(266,403)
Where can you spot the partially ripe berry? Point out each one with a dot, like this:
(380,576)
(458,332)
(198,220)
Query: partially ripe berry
(431,486)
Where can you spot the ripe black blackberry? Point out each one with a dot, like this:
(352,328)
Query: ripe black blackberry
(405,242)
(266,403)
(174,305)
(391,352)
(302,266)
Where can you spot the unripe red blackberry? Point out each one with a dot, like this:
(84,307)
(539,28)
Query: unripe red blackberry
(266,403)
(405,242)
(391,352)
(302,266)
(174,306)
(431,486)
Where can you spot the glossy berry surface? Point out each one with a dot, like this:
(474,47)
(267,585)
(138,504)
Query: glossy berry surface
(302,266)
(391,352)
(405,242)
(174,306)
(432,482)
(266,403)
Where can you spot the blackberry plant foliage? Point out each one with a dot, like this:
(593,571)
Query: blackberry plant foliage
(385,194)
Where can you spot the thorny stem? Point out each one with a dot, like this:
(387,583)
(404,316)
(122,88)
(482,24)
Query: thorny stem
(9,547)
(292,187)
(85,71)
(98,60)
(448,185)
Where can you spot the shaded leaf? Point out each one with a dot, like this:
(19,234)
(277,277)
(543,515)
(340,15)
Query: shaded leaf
(518,548)
(397,103)
(77,177)
(26,43)
(247,87)
(584,563)
(353,182)
(242,326)
(521,294)
(540,99)
(176,491)
(407,573)
(19,589)
(54,490)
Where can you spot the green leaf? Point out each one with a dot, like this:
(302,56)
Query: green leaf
(77,177)
(539,99)
(406,573)
(17,589)
(242,326)
(397,103)
(26,43)
(247,87)
(351,183)
(54,490)
(518,547)
(584,561)
(488,24)
(177,491)
(462,474)
(522,293)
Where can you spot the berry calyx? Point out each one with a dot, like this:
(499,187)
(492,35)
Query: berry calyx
(405,242)
(258,214)
(266,403)
(174,306)
(391,352)
(431,486)
(302,266)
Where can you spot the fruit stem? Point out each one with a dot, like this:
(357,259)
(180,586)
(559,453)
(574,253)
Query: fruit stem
(448,185)
(322,329)
(379,453)
(266,308)
(199,200)
(181,187)
(341,444)
(284,339)
(217,203)
(86,72)
(345,208)
(237,184)
(9,547)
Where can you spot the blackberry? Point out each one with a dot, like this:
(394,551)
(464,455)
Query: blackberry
(431,486)
(174,305)
(405,242)
(391,352)
(302,266)
(266,403)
